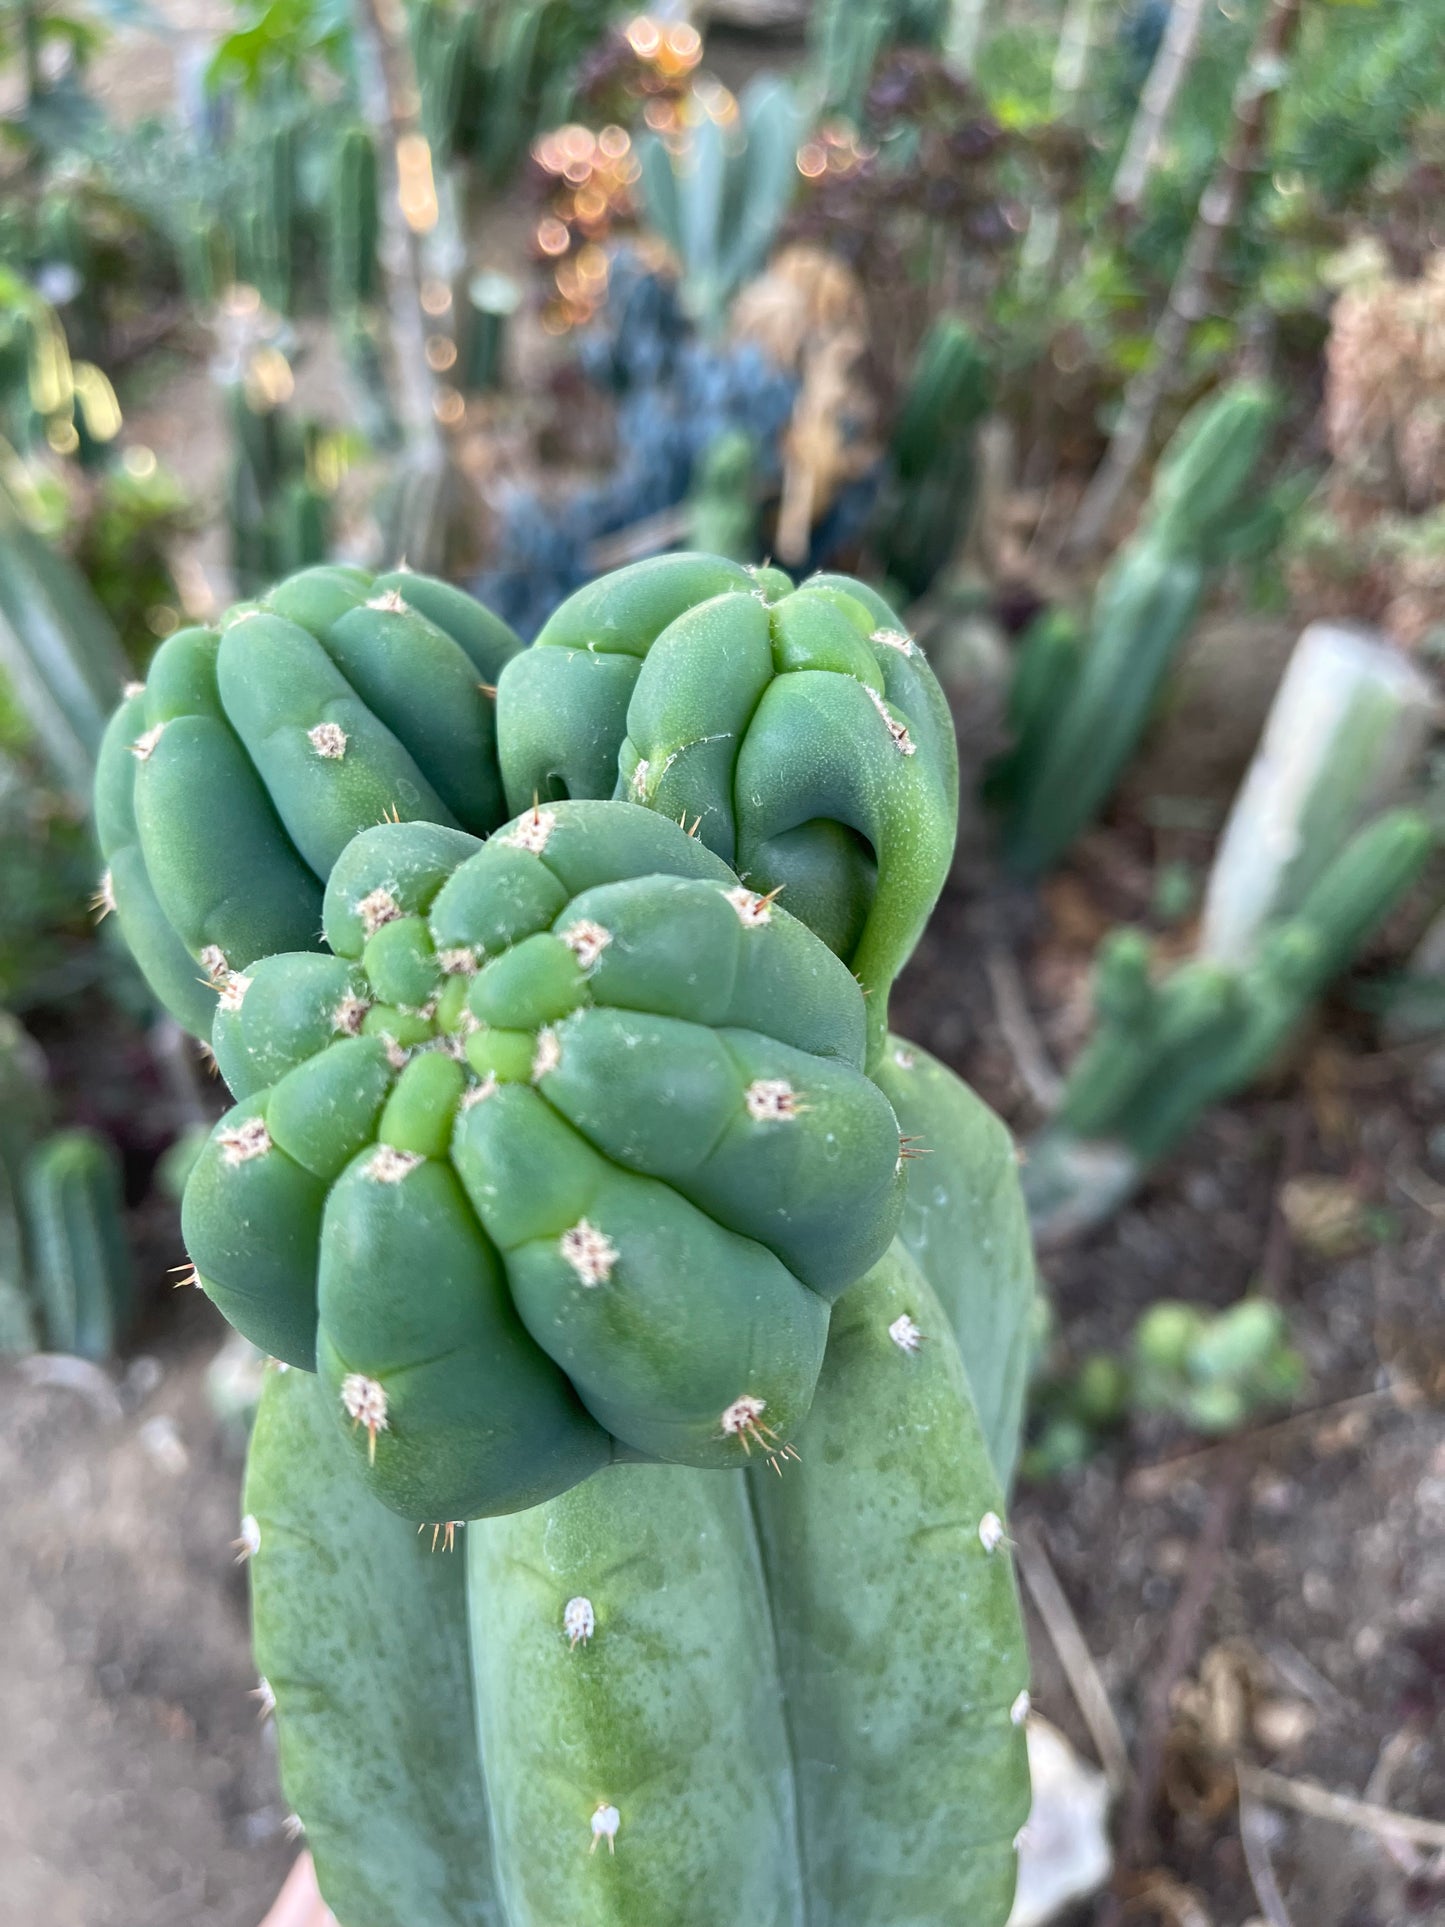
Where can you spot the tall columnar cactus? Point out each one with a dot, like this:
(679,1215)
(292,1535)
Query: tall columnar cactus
(799,730)
(355,221)
(924,515)
(1083,713)
(805,1693)
(1163,1051)
(229,784)
(606,1100)
(80,1267)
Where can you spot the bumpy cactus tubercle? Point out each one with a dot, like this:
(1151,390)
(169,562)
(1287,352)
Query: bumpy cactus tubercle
(580,1078)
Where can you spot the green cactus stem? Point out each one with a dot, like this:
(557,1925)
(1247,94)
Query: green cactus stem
(800,730)
(83,1285)
(804,1692)
(355,221)
(924,516)
(966,1227)
(608,1101)
(1080,723)
(1163,1051)
(228,785)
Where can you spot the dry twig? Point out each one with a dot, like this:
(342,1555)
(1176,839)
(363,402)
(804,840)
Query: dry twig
(1303,1796)
(1089,1691)
(1020,1033)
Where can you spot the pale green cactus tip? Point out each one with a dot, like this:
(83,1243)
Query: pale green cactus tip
(798,732)
(229,782)
(609,1105)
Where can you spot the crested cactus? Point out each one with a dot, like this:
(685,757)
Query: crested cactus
(609,1100)
(228,785)
(1163,1051)
(557,1185)
(800,730)
(1084,710)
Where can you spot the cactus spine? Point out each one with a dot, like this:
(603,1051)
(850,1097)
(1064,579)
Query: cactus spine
(1071,751)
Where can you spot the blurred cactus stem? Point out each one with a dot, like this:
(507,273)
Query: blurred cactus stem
(928,506)
(1083,712)
(82,1280)
(1346,733)
(58,650)
(492,300)
(1164,1049)
(722,514)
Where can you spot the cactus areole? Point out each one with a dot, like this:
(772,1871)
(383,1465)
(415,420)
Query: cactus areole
(630,1547)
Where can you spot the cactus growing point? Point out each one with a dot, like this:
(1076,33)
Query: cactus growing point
(800,730)
(229,784)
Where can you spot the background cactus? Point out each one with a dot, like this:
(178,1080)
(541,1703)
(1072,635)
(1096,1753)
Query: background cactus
(801,732)
(80,1265)
(57,650)
(1161,1052)
(228,784)
(1081,716)
(719,203)
(923,517)
(581,1078)
(864,1761)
